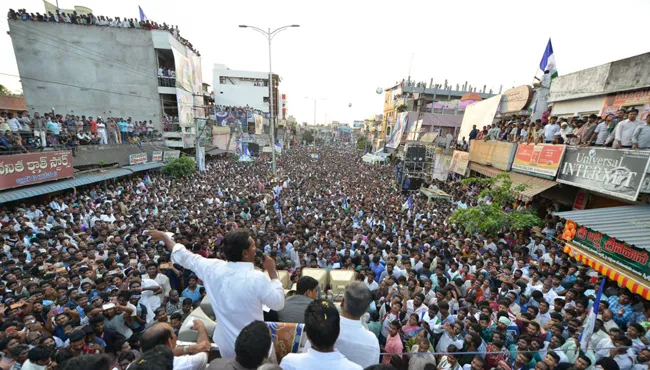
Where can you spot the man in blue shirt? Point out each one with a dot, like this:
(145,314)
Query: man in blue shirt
(122,125)
(621,308)
(193,289)
(377,267)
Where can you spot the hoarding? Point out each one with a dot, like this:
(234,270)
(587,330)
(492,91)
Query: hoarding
(498,154)
(618,173)
(459,162)
(137,158)
(538,160)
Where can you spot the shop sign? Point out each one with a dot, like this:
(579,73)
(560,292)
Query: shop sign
(28,169)
(627,99)
(459,162)
(618,173)
(540,160)
(516,99)
(620,253)
(171,154)
(137,158)
(157,156)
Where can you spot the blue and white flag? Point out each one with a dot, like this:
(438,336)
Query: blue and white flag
(147,179)
(142,16)
(345,203)
(548,60)
(586,334)
(410,202)
(278,208)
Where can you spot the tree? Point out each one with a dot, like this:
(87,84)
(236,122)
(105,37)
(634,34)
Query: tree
(494,217)
(361,142)
(308,136)
(180,167)
(402,108)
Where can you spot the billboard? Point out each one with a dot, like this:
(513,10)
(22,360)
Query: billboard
(480,114)
(498,154)
(157,156)
(168,155)
(28,169)
(618,173)
(538,160)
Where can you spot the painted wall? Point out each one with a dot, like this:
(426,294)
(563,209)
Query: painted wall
(91,71)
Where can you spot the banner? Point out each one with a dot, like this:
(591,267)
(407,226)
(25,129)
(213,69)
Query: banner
(398,130)
(185,102)
(200,158)
(541,160)
(618,173)
(137,158)
(157,156)
(236,119)
(183,71)
(259,124)
(498,154)
(27,169)
(459,162)
(168,155)
(620,253)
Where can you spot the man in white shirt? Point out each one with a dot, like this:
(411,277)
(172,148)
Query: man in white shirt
(236,290)
(356,343)
(186,357)
(323,326)
(550,130)
(624,130)
(370,281)
(251,349)
(155,275)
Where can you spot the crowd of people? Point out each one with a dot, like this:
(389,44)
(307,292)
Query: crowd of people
(104,277)
(24,133)
(100,21)
(621,130)
(166,77)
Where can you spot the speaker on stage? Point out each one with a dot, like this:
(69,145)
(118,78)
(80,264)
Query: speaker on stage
(416,153)
(254,148)
(415,183)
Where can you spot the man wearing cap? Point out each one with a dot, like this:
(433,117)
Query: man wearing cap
(236,290)
(118,318)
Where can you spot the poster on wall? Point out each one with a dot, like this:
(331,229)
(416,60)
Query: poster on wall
(183,71)
(396,135)
(459,162)
(185,102)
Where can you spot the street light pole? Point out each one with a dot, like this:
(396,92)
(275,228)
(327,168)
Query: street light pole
(269,36)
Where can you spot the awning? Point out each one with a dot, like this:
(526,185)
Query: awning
(534,185)
(144,166)
(51,187)
(636,285)
(630,224)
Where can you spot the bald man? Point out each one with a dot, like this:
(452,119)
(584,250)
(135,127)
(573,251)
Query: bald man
(194,357)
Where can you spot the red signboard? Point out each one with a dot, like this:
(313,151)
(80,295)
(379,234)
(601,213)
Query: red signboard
(581,200)
(542,160)
(27,169)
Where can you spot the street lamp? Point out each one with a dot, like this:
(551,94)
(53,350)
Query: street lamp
(269,36)
(315,100)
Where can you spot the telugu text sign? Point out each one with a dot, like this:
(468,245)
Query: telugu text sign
(27,169)
(622,254)
(138,158)
(540,159)
(618,173)
(157,156)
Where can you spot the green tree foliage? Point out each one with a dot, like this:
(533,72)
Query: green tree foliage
(402,108)
(492,218)
(308,136)
(180,167)
(361,142)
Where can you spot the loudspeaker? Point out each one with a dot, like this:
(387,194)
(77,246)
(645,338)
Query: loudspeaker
(416,153)
(254,148)
(415,183)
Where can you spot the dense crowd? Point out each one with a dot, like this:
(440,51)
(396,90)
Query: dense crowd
(23,133)
(100,21)
(621,130)
(83,274)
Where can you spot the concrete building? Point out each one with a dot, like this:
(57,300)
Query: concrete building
(109,72)
(603,89)
(236,88)
(444,99)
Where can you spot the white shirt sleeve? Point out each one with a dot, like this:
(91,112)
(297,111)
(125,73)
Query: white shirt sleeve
(197,263)
(271,292)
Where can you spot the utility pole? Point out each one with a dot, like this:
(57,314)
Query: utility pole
(269,36)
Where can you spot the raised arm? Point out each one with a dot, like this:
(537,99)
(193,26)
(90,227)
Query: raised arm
(183,257)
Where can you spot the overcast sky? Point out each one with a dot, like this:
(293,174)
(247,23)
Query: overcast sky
(344,50)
